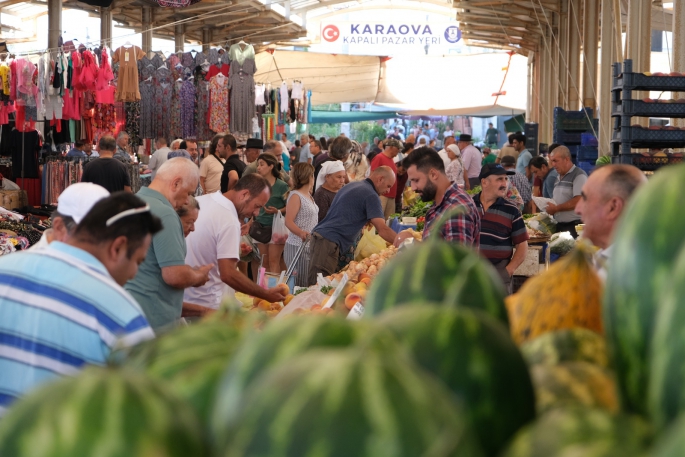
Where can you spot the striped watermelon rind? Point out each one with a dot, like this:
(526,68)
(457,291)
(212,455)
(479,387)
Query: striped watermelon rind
(474,356)
(438,272)
(191,360)
(666,399)
(574,383)
(347,402)
(646,244)
(671,443)
(568,345)
(102,412)
(580,431)
(280,341)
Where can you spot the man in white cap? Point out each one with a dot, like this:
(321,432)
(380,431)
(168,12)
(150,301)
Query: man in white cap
(72,206)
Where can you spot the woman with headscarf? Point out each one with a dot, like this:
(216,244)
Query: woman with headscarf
(455,171)
(357,164)
(330,180)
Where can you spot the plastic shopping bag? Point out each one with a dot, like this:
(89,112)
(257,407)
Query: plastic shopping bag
(370,243)
(279,233)
(250,246)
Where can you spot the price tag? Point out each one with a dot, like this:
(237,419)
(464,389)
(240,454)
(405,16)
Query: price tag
(126,56)
(338,291)
(356,312)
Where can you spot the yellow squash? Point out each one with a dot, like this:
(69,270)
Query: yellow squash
(567,295)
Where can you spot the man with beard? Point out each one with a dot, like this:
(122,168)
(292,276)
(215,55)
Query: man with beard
(354,206)
(502,226)
(216,241)
(427,177)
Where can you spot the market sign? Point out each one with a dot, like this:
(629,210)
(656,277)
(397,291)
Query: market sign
(393,34)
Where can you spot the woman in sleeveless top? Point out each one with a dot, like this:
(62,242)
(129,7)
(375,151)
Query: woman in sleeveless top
(301,216)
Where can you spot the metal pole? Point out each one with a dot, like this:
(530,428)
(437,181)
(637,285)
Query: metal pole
(562,55)
(590,39)
(573,58)
(678,48)
(54,23)
(606,77)
(147,25)
(206,39)
(106,26)
(179,37)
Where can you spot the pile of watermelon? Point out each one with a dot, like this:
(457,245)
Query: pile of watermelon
(442,365)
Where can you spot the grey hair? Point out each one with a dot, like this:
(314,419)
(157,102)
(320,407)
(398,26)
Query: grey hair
(69,221)
(178,167)
(185,209)
(270,145)
(122,134)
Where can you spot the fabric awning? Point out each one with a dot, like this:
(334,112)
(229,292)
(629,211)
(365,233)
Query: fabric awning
(334,117)
(515,124)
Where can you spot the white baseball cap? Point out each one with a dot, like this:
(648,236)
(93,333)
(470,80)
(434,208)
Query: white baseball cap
(78,199)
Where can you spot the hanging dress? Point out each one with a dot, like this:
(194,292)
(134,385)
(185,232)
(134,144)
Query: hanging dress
(241,83)
(127,87)
(218,94)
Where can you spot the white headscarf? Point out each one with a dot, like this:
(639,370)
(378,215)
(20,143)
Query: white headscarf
(328,168)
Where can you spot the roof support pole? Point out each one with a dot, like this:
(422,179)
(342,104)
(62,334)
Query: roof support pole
(147,25)
(530,87)
(590,42)
(608,51)
(562,55)
(179,37)
(678,48)
(106,27)
(573,56)
(54,23)
(206,39)
(639,40)
(546,99)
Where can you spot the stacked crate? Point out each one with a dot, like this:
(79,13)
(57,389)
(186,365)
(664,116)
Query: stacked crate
(577,131)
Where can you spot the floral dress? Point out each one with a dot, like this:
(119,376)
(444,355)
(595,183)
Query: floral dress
(163,93)
(176,110)
(202,106)
(187,118)
(218,116)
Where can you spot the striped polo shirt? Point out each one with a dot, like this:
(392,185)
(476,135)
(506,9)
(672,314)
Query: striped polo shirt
(59,310)
(501,228)
(567,187)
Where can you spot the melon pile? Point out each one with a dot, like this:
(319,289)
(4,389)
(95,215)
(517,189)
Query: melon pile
(442,364)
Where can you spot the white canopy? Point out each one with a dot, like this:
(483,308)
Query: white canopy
(433,86)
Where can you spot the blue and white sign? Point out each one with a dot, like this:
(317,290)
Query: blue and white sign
(389,37)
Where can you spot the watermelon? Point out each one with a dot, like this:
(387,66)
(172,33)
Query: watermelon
(475,357)
(579,383)
(666,398)
(191,360)
(672,442)
(646,243)
(568,345)
(436,271)
(280,340)
(582,432)
(347,402)
(102,412)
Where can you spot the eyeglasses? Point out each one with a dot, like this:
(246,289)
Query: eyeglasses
(127,213)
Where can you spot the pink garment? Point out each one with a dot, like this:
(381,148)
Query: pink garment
(25,71)
(89,71)
(13,80)
(105,96)
(5,111)
(72,105)
(76,63)
(105,74)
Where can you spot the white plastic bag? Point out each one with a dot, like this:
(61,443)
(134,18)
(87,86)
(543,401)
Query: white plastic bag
(279,232)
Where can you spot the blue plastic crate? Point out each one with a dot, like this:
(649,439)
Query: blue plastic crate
(588,153)
(587,167)
(588,139)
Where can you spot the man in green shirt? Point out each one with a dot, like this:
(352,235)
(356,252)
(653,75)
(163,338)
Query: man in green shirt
(158,286)
(488,156)
(491,136)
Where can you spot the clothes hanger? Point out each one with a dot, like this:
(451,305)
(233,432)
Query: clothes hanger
(127,44)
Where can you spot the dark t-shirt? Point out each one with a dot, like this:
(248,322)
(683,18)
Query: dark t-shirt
(233,163)
(108,173)
(323,199)
(354,205)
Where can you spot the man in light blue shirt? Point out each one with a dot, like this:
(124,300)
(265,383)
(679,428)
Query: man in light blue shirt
(523,161)
(63,306)
(305,153)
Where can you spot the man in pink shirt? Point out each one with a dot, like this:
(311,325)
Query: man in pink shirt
(385,158)
(471,157)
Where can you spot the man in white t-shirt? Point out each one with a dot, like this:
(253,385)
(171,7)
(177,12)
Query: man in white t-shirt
(287,145)
(216,240)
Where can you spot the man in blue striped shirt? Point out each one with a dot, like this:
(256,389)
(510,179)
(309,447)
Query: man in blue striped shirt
(63,306)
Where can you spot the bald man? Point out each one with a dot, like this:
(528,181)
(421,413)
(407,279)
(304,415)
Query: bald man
(355,205)
(602,201)
(567,189)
